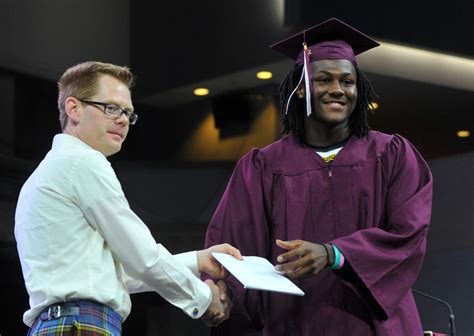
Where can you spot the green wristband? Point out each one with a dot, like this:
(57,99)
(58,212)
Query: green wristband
(337,257)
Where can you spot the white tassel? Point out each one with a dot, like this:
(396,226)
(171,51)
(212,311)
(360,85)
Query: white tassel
(307,79)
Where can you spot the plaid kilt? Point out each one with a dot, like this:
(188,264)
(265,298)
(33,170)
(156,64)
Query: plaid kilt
(94,319)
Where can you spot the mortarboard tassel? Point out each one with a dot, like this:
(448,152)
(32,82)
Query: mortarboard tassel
(307,78)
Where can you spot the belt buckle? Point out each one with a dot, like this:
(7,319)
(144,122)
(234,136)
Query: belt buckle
(54,312)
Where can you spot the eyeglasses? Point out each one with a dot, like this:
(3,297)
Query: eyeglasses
(113,111)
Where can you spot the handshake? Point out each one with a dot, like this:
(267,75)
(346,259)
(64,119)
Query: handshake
(221,304)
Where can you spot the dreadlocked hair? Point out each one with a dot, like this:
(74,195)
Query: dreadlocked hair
(293,121)
(358,123)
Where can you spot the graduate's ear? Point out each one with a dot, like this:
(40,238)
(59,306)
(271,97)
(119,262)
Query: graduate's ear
(73,109)
(301,92)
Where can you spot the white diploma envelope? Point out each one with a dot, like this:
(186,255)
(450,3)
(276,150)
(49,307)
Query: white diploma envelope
(257,273)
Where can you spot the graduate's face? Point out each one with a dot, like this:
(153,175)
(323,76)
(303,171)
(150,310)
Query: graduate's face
(334,93)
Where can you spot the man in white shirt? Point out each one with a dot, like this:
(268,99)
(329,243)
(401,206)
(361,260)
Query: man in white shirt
(82,249)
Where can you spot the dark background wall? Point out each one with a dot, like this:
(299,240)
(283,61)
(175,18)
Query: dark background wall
(447,271)
(47,36)
(172,45)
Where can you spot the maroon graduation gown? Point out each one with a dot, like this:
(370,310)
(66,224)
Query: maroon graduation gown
(374,203)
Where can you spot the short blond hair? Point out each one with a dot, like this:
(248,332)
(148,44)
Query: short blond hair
(81,81)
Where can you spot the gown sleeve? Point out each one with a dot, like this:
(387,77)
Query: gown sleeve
(384,261)
(241,219)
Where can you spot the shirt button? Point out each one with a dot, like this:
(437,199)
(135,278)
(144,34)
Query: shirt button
(195,312)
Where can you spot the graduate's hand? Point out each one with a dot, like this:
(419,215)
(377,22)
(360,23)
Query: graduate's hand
(303,259)
(225,297)
(208,264)
(215,313)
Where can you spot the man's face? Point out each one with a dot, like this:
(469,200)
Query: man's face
(334,93)
(98,130)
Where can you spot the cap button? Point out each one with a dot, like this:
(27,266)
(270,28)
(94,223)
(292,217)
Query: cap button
(195,312)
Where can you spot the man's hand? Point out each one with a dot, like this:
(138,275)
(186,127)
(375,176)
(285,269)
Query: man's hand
(219,309)
(208,264)
(304,259)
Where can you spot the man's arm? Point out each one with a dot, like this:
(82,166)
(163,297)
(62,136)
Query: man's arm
(103,204)
(197,261)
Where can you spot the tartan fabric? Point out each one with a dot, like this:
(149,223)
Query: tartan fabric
(94,319)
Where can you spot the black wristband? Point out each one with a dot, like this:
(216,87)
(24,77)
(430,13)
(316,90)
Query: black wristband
(327,255)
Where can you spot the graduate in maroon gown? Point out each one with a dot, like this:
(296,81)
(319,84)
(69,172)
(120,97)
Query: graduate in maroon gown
(342,210)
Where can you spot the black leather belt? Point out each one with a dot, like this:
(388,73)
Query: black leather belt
(57,310)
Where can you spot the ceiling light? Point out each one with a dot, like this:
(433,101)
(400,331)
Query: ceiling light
(463,133)
(201,92)
(373,106)
(264,75)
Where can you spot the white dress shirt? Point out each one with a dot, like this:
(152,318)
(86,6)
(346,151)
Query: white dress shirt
(78,239)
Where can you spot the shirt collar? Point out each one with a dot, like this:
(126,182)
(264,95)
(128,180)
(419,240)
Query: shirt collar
(63,140)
